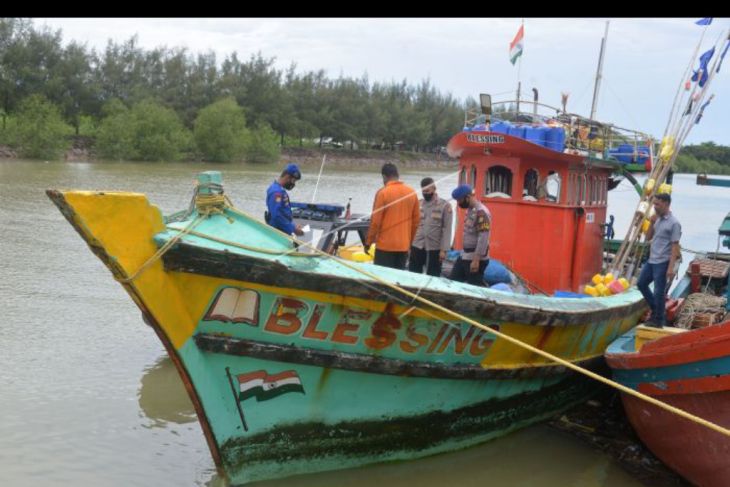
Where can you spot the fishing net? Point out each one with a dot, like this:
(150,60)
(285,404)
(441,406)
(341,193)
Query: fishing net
(700,310)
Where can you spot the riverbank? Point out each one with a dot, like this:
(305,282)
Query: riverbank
(81,150)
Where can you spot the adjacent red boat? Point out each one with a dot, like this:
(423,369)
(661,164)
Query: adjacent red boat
(689,370)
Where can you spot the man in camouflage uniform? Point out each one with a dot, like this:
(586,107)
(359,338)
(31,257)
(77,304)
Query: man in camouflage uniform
(433,237)
(477,223)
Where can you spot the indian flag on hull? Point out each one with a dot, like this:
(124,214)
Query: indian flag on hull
(515,47)
(263,386)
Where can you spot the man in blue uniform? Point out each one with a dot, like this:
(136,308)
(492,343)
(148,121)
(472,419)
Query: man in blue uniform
(471,264)
(277,201)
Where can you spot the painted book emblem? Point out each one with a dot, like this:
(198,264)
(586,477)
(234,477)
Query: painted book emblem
(235,305)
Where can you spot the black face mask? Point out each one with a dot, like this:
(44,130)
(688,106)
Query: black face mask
(289,185)
(427,196)
(464,203)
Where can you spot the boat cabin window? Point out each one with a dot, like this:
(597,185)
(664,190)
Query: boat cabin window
(473,177)
(594,190)
(462,176)
(574,189)
(529,187)
(552,187)
(498,182)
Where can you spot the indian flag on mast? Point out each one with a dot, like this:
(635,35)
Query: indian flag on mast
(515,47)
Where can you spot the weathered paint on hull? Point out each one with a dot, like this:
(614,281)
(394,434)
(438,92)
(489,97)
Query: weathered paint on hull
(691,371)
(697,453)
(324,445)
(353,412)
(335,380)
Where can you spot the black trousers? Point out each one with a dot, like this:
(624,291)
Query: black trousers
(421,257)
(461,272)
(396,260)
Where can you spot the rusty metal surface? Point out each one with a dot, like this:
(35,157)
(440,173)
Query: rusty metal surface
(372,363)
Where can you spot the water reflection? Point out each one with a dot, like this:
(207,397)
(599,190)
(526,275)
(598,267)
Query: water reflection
(162,396)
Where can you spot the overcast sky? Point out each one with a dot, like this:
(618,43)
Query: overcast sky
(645,58)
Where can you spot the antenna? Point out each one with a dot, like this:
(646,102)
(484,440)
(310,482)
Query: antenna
(598,72)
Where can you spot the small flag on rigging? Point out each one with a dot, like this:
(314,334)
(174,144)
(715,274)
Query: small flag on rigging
(701,73)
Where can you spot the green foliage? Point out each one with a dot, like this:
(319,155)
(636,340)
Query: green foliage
(159,135)
(709,151)
(39,131)
(94,91)
(263,145)
(220,131)
(147,132)
(115,135)
(687,163)
(7,130)
(87,126)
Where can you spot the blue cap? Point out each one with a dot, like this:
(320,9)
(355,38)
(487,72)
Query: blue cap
(293,170)
(461,191)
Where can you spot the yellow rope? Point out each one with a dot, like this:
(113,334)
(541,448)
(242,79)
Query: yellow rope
(458,316)
(538,351)
(514,341)
(162,250)
(206,205)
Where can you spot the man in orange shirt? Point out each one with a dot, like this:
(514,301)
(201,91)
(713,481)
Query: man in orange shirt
(394,220)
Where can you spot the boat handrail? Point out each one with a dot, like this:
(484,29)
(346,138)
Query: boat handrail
(582,133)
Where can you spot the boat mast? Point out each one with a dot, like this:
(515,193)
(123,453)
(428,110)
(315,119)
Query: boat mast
(519,69)
(598,72)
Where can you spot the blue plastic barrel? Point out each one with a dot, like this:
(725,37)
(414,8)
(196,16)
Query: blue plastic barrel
(496,272)
(555,139)
(536,135)
(623,153)
(500,127)
(516,131)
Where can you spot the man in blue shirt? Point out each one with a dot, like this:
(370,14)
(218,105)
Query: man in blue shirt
(664,233)
(277,201)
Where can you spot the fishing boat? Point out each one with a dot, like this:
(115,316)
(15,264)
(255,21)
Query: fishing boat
(690,370)
(297,361)
(687,366)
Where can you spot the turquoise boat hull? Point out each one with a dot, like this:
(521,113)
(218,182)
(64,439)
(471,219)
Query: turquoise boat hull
(296,363)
